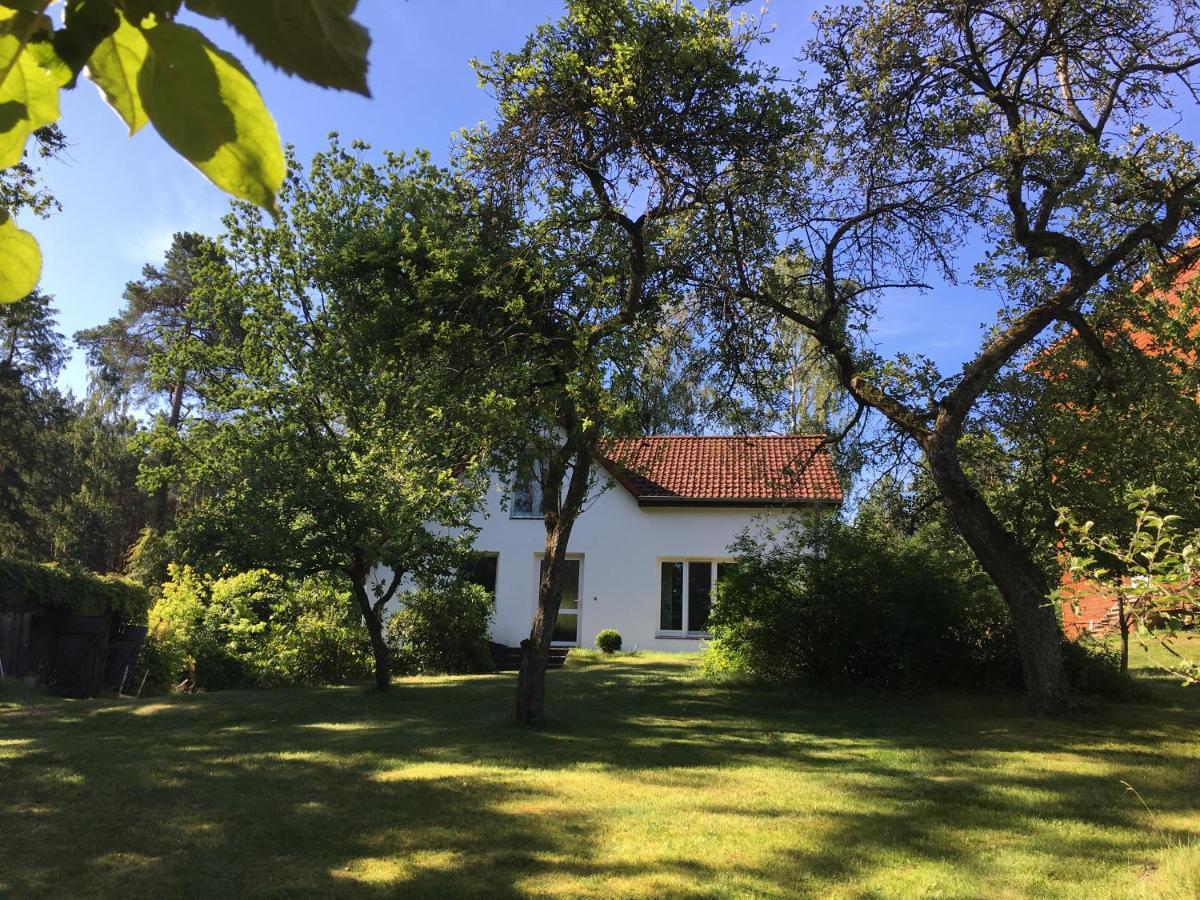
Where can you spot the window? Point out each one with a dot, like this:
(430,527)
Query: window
(527,495)
(671,615)
(686,594)
(699,595)
(482,571)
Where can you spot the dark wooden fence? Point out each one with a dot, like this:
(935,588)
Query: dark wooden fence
(76,656)
(15,635)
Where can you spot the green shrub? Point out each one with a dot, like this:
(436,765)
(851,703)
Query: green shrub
(253,629)
(1094,669)
(186,639)
(836,603)
(72,590)
(442,629)
(608,640)
(317,637)
(168,654)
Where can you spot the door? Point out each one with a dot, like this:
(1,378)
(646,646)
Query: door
(566,627)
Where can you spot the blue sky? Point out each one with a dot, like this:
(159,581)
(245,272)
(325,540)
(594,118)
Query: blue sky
(123,198)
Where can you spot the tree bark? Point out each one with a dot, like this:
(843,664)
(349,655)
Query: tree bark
(358,571)
(1124,625)
(162,497)
(1020,580)
(535,650)
(559,519)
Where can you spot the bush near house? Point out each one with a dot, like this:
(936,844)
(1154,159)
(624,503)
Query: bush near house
(442,629)
(253,629)
(840,603)
(608,640)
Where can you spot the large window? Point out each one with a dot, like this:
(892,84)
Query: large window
(685,595)
(566,626)
(527,495)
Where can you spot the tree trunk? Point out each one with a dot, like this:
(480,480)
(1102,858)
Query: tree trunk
(1020,580)
(559,519)
(535,650)
(358,571)
(162,504)
(1124,624)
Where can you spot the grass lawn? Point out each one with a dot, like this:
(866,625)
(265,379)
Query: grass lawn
(649,781)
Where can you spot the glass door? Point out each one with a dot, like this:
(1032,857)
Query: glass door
(566,627)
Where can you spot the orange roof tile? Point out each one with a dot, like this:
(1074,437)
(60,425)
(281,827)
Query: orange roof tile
(728,471)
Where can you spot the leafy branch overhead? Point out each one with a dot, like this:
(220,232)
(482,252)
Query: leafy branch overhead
(1152,573)
(153,69)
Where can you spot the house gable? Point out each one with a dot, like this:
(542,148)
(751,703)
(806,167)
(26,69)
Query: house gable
(726,470)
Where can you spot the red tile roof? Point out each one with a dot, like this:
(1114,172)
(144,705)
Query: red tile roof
(755,470)
(1171,297)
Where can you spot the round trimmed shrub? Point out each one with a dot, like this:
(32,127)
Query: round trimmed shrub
(609,640)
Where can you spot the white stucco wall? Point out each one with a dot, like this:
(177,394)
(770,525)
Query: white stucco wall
(621,546)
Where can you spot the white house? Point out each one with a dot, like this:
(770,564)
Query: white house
(646,552)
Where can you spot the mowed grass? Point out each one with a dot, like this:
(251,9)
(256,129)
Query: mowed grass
(647,782)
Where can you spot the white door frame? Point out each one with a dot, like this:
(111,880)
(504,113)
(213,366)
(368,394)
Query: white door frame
(537,576)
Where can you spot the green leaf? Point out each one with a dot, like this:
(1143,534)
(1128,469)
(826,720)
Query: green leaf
(20,261)
(9,28)
(85,24)
(114,68)
(28,95)
(24,28)
(204,105)
(314,39)
(138,11)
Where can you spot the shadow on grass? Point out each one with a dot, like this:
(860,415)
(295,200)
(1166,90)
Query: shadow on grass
(429,791)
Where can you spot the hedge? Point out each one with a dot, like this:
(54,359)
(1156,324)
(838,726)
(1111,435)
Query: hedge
(24,584)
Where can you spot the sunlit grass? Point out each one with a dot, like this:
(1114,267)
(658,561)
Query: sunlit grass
(1156,657)
(648,782)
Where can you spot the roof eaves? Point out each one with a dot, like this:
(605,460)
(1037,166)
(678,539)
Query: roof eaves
(613,470)
(666,500)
